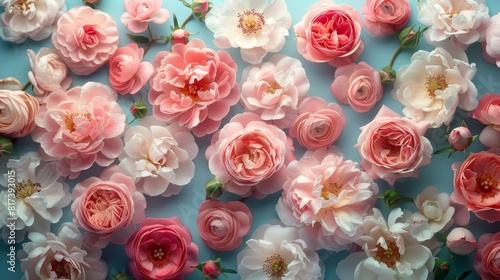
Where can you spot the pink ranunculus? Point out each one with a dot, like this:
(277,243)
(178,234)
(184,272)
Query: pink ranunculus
(319,124)
(127,74)
(80,127)
(460,138)
(460,241)
(488,112)
(108,207)
(383,17)
(162,248)
(139,13)
(250,156)
(357,85)
(85,39)
(487,259)
(490,46)
(393,147)
(193,86)
(211,270)
(477,183)
(222,226)
(330,32)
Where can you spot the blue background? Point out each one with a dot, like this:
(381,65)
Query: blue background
(377,53)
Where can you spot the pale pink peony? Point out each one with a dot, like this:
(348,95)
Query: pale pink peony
(319,124)
(491,44)
(139,13)
(330,32)
(460,241)
(193,86)
(383,17)
(80,127)
(393,147)
(487,259)
(357,85)
(127,72)
(274,89)
(488,112)
(85,39)
(250,156)
(108,207)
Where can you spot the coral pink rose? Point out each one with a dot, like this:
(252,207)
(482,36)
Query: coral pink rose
(319,124)
(193,86)
(393,147)
(250,156)
(331,33)
(357,85)
(108,207)
(477,183)
(461,241)
(222,226)
(140,12)
(85,39)
(162,248)
(80,127)
(127,74)
(487,258)
(488,112)
(383,17)
(490,46)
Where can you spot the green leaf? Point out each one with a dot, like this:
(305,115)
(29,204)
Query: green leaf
(464,275)
(176,23)
(139,39)
(444,150)
(227,270)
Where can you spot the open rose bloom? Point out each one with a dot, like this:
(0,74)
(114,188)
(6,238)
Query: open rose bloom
(139,13)
(488,112)
(487,256)
(490,46)
(383,17)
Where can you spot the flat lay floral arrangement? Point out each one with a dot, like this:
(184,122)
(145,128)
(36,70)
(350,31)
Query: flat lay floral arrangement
(250,139)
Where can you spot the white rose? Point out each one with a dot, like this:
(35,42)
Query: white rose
(434,207)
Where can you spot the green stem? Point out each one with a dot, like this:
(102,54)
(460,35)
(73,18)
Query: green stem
(395,55)
(26,86)
(186,20)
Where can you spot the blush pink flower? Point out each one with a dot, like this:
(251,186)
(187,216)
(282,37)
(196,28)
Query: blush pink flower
(193,86)
(490,46)
(250,156)
(357,85)
(393,147)
(274,89)
(477,184)
(383,17)
(461,241)
(222,226)
(139,13)
(80,127)
(487,258)
(319,124)
(488,112)
(127,73)
(85,39)
(330,32)
(108,207)
(460,138)
(161,248)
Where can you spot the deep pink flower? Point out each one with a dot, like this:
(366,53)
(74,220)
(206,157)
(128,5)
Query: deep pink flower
(487,258)
(138,14)
(488,112)
(383,17)
(211,270)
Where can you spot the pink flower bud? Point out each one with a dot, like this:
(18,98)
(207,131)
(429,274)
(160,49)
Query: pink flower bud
(180,36)
(200,8)
(460,241)
(211,270)
(460,138)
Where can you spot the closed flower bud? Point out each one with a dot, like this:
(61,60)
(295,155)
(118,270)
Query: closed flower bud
(6,147)
(387,75)
(139,109)
(461,241)
(200,8)
(211,270)
(409,38)
(180,36)
(441,268)
(121,276)
(214,188)
(460,138)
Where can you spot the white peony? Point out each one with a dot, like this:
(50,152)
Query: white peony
(434,207)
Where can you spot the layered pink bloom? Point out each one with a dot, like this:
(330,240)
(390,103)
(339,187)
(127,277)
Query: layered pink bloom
(357,85)
(250,156)
(393,147)
(274,89)
(460,241)
(161,248)
(108,207)
(460,138)
(85,39)
(319,124)
(127,72)
(487,258)
(222,226)
(327,195)
(491,46)
(383,17)
(193,86)
(488,112)
(477,183)
(139,13)
(80,127)
(330,32)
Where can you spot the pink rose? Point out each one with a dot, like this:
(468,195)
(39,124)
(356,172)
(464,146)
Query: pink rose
(460,138)
(477,182)
(488,112)
(85,39)
(357,85)
(460,241)
(127,74)
(108,207)
(140,12)
(383,17)
(487,258)
(211,270)
(250,156)
(193,86)
(393,147)
(222,226)
(331,33)
(180,36)
(319,124)
(161,248)
(490,46)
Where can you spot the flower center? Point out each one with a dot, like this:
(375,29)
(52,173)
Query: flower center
(69,120)
(89,36)
(159,256)
(250,21)
(61,269)
(434,83)
(273,87)
(486,185)
(387,9)
(105,208)
(330,188)
(25,189)
(191,91)
(274,266)
(390,255)
(23,6)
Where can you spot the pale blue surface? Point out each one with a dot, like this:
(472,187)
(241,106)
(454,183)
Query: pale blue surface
(377,53)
